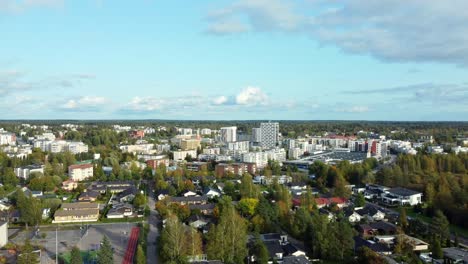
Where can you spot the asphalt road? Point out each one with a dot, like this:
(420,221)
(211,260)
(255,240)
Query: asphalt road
(151,250)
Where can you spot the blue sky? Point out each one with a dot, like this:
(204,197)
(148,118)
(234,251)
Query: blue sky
(240,59)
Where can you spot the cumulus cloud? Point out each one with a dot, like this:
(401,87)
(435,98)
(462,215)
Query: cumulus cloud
(83,104)
(389,30)
(220,100)
(252,96)
(227,27)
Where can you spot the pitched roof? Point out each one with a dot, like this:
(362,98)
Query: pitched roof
(402,191)
(296,260)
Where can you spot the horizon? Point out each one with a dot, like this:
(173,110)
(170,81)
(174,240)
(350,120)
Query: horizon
(234,60)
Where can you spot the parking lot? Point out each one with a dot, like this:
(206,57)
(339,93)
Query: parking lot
(86,237)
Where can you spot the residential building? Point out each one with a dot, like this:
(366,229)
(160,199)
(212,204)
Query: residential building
(77,212)
(256,135)
(211,151)
(120,211)
(80,172)
(7,138)
(3,234)
(189,144)
(454,255)
(182,154)
(156,163)
(228,134)
(222,169)
(205,131)
(269,134)
(238,146)
(401,196)
(25,171)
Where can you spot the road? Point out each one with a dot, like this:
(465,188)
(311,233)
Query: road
(151,250)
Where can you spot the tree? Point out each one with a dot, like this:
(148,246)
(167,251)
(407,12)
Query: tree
(260,251)
(437,249)
(360,200)
(227,240)
(173,238)
(105,254)
(247,188)
(139,200)
(403,220)
(440,225)
(368,256)
(193,243)
(75,257)
(247,206)
(140,257)
(29,207)
(27,256)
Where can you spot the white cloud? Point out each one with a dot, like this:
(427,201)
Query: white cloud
(144,104)
(389,30)
(220,100)
(252,96)
(84,104)
(227,27)
(15,6)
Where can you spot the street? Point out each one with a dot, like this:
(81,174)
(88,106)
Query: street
(151,250)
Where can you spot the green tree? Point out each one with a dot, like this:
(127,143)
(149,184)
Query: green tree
(227,240)
(247,188)
(27,256)
(366,255)
(139,200)
(75,257)
(440,225)
(437,252)
(247,206)
(105,254)
(260,251)
(360,200)
(173,237)
(140,257)
(403,219)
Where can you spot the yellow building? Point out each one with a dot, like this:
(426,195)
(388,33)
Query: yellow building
(77,212)
(189,144)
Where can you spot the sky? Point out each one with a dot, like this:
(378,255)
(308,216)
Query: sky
(234,60)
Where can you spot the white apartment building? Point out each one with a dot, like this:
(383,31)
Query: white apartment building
(25,171)
(211,151)
(7,138)
(295,153)
(80,172)
(261,158)
(185,131)
(205,131)
(256,134)
(238,146)
(57,146)
(228,134)
(140,148)
(290,143)
(269,134)
(182,154)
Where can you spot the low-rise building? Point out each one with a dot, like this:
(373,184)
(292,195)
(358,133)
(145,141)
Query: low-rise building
(77,212)
(25,171)
(3,233)
(69,185)
(401,196)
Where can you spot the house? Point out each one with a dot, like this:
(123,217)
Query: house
(36,194)
(197,221)
(338,201)
(4,206)
(77,212)
(69,185)
(374,191)
(127,196)
(80,172)
(275,251)
(88,196)
(211,192)
(111,186)
(455,255)
(3,233)
(418,244)
(162,194)
(384,228)
(381,248)
(189,200)
(352,216)
(206,209)
(291,250)
(372,213)
(120,211)
(330,216)
(45,213)
(296,260)
(189,193)
(401,196)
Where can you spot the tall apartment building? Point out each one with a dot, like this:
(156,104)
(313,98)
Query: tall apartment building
(238,146)
(290,143)
(7,138)
(80,172)
(269,134)
(228,134)
(256,134)
(222,169)
(182,154)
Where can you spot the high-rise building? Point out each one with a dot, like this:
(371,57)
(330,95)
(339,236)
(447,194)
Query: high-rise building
(228,134)
(256,134)
(269,134)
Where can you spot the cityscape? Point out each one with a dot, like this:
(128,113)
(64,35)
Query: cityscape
(233,132)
